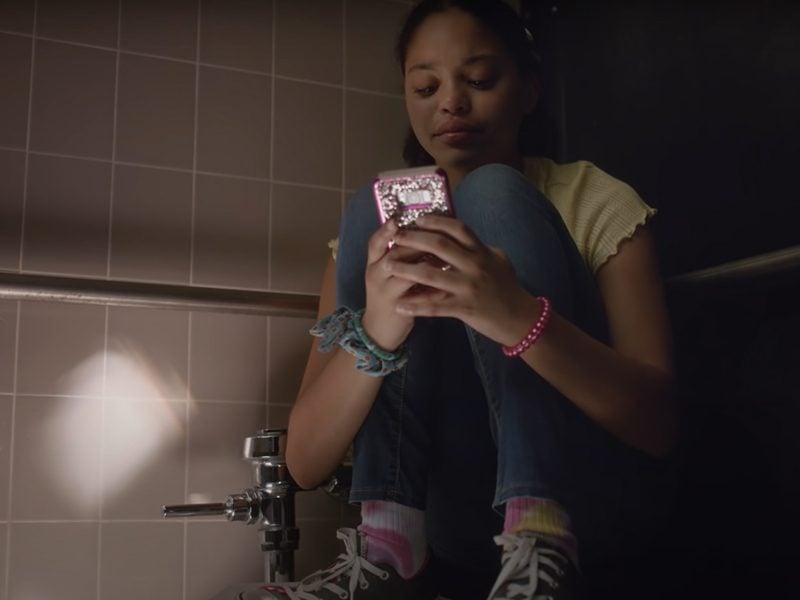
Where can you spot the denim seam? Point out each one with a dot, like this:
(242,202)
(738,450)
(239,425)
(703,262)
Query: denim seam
(398,444)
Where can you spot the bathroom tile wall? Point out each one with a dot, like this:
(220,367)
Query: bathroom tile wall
(201,142)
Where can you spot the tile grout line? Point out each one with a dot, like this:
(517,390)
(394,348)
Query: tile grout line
(209,65)
(104,380)
(343,196)
(193,217)
(188,415)
(114,143)
(271,148)
(11,442)
(343,181)
(12,437)
(313,186)
(190,317)
(270,217)
(143,399)
(100,479)
(26,184)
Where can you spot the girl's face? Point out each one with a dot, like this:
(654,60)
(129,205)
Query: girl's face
(464,94)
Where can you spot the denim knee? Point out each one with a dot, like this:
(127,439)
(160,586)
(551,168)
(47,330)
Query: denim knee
(359,222)
(505,210)
(495,193)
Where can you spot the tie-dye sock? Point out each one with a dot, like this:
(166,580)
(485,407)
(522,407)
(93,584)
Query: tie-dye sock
(544,517)
(395,535)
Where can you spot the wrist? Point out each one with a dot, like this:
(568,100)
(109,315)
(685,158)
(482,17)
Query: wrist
(383,339)
(533,331)
(527,311)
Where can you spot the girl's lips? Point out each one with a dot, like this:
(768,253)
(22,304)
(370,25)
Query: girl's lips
(458,137)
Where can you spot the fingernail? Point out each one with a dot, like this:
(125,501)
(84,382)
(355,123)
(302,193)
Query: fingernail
(403,309)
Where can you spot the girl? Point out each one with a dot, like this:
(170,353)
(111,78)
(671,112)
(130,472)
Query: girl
(525,388)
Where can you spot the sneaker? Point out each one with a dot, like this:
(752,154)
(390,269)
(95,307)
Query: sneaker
(351,577)
(535,569)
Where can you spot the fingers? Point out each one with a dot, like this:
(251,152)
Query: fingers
(379,242)
(428,302)
(445,238)
(452,227)
(427,273)
(432,243)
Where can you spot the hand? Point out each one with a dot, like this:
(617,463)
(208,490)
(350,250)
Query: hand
(383,323)
(479,288)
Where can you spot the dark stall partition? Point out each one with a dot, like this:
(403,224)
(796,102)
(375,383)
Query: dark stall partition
(697,105)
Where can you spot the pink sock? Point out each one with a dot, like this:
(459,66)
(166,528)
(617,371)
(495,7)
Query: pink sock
(395,535)
(545,517)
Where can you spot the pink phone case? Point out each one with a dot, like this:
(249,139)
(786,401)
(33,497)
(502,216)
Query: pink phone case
(407,194)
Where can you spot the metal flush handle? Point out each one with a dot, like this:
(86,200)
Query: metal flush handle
(247,507)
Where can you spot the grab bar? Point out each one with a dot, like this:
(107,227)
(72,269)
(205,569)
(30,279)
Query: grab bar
(78,290)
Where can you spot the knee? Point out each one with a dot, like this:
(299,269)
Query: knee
(361,212)
(492,176)
(498,194)
(359,222)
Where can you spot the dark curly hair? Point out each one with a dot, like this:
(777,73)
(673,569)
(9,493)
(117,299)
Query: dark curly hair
(504,22)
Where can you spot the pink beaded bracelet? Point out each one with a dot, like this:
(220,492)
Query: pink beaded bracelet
(534,333)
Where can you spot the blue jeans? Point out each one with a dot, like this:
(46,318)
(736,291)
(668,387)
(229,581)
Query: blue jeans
(543,445)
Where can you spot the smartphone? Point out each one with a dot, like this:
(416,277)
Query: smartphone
(407,194)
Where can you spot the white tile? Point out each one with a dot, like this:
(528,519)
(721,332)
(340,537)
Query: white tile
(219,555)
(289,346)
(147,354)
(3,545)
(229,357)
(8,334)
(61,349)
(56,458)
(319,546)
(216,441)
(144,458)
(53,561)
(141,560)
(6,405)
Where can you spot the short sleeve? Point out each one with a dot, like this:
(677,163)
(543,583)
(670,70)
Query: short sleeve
(333,245)
(608,212)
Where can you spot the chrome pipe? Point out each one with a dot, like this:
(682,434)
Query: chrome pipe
(269,505)
(78,290)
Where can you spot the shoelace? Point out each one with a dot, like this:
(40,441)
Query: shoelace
(349,564)
(522,568)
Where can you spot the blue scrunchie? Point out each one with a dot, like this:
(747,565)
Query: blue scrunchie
(343,328)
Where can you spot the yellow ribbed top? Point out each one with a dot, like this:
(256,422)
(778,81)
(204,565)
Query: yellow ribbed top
(599,210)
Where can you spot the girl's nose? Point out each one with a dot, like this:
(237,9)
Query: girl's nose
(455,101)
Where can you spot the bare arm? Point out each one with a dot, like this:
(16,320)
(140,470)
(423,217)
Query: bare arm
(334,397)
(625,387)
(333,402)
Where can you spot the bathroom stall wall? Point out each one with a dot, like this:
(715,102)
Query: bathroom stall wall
(208,143)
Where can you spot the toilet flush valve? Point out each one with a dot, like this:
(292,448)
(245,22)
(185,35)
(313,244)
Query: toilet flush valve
(244,507)
(270,504)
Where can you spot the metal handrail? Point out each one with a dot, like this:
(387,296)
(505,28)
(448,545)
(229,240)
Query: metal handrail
(770,263)
(78,290)
(107,292)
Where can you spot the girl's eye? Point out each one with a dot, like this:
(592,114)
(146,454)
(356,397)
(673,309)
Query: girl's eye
(481,84)
(425,91)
